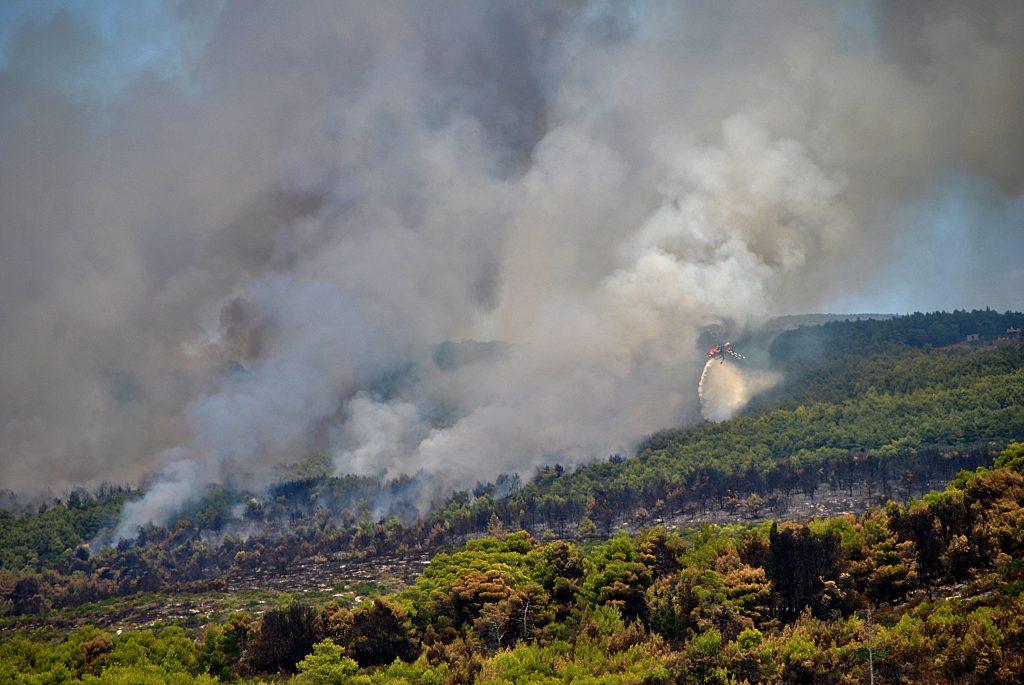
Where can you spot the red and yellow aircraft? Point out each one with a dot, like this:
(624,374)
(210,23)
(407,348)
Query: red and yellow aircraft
(720,351)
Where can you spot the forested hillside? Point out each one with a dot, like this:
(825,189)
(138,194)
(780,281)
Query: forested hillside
(879,419)
(905,421)
(926,592)
(811,346)
(863,401)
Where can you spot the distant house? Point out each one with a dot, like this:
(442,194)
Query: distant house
(972,338)
(1012,335)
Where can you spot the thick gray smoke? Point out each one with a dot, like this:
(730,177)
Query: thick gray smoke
(458,238)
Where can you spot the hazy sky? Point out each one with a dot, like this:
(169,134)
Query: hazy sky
(233,234)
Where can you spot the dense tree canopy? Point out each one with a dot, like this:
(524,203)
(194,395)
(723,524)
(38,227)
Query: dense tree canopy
(927,591)
(924,590)
(885,412)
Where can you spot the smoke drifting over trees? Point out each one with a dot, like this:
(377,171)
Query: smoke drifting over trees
(253,238)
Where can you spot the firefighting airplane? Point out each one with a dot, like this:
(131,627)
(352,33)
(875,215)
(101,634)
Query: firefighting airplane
(720,351)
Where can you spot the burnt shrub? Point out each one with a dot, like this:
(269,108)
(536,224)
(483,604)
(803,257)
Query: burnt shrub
(379,634)
(282,638)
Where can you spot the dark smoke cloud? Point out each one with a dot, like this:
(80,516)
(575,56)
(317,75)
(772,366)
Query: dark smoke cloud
(250,236)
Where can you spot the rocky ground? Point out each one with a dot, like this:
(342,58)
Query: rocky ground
(323,574)
(317,580)
(825,502)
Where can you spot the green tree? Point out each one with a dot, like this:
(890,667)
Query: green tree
(326,665)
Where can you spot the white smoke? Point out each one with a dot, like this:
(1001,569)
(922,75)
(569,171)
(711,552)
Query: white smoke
(592,369)
(725,388)
(379,436)
(178,485)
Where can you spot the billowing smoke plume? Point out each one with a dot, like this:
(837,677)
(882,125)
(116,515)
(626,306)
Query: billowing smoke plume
(457,239)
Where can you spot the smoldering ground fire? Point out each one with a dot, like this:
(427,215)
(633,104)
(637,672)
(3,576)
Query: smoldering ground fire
(248,248)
